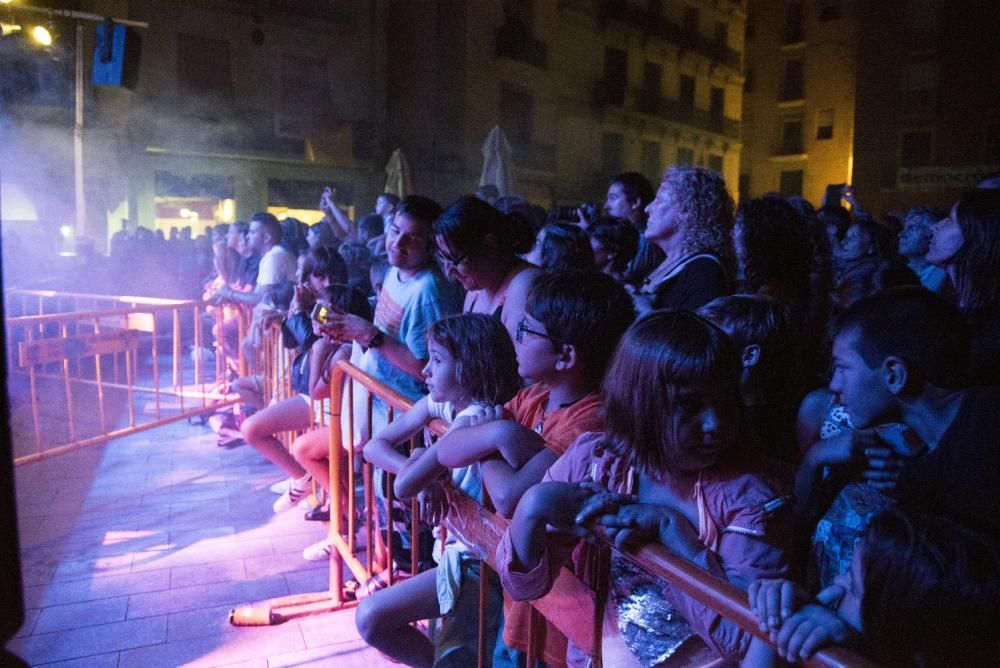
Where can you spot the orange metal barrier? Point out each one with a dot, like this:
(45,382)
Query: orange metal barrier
(69,354)
(573,606)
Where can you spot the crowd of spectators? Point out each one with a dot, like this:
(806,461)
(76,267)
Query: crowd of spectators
(800,401)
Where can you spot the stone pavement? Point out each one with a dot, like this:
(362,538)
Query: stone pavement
(133,553)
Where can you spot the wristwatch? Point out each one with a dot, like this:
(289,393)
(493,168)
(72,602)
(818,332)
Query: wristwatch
(377,340)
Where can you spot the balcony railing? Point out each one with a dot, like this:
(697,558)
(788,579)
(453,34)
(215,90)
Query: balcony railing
(647,102)
(658,26)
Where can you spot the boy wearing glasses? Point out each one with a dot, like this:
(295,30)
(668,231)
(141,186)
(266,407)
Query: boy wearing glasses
(572,324)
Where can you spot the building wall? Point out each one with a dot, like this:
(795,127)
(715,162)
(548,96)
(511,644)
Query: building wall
(537,69)
(938,76)
(825,44)
(304,100)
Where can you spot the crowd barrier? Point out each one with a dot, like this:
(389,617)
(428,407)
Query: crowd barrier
(573,606)
(85,368)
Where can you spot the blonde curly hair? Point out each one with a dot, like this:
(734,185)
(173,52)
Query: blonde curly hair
(705,211)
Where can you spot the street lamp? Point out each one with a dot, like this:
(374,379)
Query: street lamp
(41,35)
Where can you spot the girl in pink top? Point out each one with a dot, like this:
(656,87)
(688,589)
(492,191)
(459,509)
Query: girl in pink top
(671,467)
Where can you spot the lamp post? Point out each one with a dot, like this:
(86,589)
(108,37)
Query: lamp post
(80,200)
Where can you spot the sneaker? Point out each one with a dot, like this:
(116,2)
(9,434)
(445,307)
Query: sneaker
(320,551)
(319,514)
(281,486)
(297,492)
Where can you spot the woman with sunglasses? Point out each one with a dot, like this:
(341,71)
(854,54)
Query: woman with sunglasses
(478,247)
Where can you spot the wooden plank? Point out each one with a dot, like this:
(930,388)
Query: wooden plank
(43,351)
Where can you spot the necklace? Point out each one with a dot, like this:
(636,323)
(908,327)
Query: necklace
(540,426)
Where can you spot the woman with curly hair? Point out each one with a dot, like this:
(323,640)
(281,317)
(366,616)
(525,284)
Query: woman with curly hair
(691,221)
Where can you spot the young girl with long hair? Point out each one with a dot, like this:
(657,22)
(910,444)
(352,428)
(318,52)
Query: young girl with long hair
(682,475)
(472,368)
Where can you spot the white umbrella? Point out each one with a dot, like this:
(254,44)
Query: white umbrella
(497,162)
(398,179)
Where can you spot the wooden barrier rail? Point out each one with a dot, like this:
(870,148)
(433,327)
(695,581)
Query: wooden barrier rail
(477,526)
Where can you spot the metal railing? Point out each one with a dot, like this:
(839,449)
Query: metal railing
(481,528)
(84,369)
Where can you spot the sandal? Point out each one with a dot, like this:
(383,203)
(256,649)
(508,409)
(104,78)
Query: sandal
(378,582)
(350,589)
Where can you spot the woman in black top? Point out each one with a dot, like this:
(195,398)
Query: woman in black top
(691,221)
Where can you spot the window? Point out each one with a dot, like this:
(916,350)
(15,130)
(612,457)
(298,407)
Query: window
(612,154)
(692,17)
(722,33)
(686,97)
(652,76)
(918,87)
(203,66)
(829,10)
(685,156)
(615,75)
(749,28)
(744,187)
(715,163)
(748,80)
(651,166)
(824,124)
(520,14)
(791,183)
(794,81)
(654,7)
(915,149)
(791,136)
(924,22)
(718,102)
(516,106)
(793,22)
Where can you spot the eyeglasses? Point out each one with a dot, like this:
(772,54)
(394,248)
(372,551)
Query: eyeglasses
(444,258)
(522,328)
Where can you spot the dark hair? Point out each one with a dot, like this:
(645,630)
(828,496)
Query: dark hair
(268,224)
(347,299)
(391,198)
(242,227)
(870,276)
(776,246)
(661,352)
(924,215)
(323,232)
(931,589)
(419,208)
(484,352)
(324,261)
(636,187)
(914,324)
(765,322)
(469,220)
(280,294)
(373,225)
(883,241)
(619,237)
(566,247)
(587,309)
(975,265)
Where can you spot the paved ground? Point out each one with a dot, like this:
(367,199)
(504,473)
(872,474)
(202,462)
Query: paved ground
(133,553)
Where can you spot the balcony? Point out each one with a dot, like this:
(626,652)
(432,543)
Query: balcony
(609,94)
(515,42)
(658,26)
(537,157)
(653,104)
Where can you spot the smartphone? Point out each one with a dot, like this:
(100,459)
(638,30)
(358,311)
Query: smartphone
(321,314)
(833,194)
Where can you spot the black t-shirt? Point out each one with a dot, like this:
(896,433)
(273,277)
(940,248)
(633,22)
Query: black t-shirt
(961,477)
(701,280)
(248,268)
